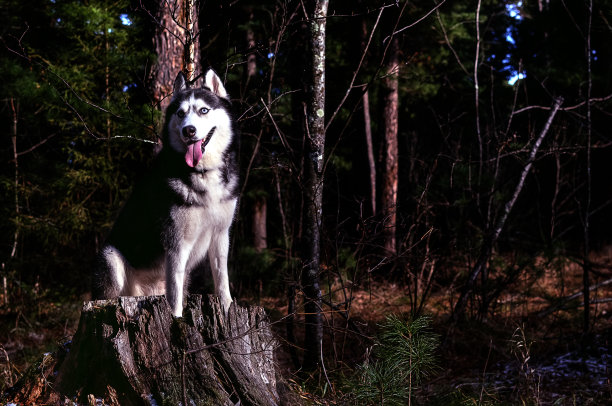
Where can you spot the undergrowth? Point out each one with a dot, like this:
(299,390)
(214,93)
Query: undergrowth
(403,355)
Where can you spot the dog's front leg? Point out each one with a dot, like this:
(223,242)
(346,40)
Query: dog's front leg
(176,261)
(217,255)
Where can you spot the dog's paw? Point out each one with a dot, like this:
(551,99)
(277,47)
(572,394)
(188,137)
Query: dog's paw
(226,303)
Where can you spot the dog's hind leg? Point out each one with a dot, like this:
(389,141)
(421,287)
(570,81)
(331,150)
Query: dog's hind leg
(109,278)
(217,256)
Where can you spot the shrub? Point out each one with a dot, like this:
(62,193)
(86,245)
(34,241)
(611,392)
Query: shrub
(402,356)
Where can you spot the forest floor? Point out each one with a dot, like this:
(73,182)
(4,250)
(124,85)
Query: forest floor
(513,357)
(519,355)
(500,361)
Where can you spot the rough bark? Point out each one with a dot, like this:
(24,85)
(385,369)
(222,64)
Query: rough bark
(390,181)
(191,36)
(169,50)
(131,351)
(176,42)
(315,147)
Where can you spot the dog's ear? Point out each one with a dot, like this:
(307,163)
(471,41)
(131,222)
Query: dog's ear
(213,82)
(180,83)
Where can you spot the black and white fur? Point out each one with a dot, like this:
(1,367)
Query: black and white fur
(181,212)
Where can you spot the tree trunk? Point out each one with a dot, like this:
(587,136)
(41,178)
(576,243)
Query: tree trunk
(493,235)
(176,42)
(169,50)
(260,205)
(260,233)
(251,68)
(292,232)
(191,43)
(14,111)
(367,122)
(390,181)
(586,263)
(15,116)
(131,351)
(315,148)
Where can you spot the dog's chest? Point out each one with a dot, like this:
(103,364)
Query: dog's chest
(205,204)
(207,189)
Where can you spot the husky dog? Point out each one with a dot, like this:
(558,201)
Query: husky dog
(182,210)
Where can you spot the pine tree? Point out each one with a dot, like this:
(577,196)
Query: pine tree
(403,355)
(83,124)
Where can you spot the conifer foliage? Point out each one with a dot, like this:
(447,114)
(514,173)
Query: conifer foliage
(73,71)
(403,355)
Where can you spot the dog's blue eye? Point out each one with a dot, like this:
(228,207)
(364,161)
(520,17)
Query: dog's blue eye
(204,110)
(180,113)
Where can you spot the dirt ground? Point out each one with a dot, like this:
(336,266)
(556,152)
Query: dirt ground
(527,351)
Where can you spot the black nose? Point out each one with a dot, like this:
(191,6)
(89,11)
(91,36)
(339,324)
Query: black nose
(189,131)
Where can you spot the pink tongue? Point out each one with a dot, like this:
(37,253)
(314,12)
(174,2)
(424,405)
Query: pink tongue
(194,153)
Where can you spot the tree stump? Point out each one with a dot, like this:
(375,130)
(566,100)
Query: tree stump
(131,351)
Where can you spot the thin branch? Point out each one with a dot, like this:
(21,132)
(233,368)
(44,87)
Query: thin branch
(77,114)
(281,33)
(392,4)
(526,169)
(174,18)
(574,107)
(476,88)
(447,40)
(416,22)
(565,300)
(15,112)
(243,117)
(253,155)
(282,138)
(351,85)
(516,90)
(571,16)
(278,131)
(131,137)
(46,66)
(489,243)
(32,148)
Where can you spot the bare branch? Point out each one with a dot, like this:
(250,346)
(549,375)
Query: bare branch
(449,43)
(532,155)
(569,108)
(476,88)
(491,240)
(32,148)
(279,132)
(416,22)
(351,85)
(569,298)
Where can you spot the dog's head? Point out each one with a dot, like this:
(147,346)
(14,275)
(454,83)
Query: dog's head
(198,121)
